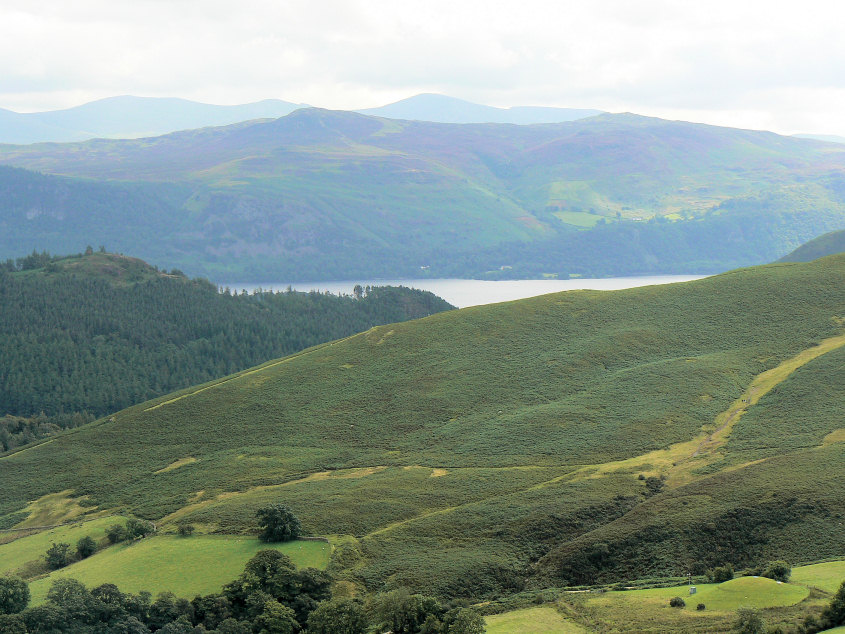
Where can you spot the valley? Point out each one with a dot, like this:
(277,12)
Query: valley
(571,439)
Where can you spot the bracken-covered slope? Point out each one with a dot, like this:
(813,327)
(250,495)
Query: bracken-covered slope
(475,451)
(320,194)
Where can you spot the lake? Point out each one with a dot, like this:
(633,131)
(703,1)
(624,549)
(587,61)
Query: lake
(463,293)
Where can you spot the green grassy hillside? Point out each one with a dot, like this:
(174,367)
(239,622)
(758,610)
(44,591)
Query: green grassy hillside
(476,451)
(323,194)
(828,244)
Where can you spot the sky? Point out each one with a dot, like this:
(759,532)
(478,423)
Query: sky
(745,63)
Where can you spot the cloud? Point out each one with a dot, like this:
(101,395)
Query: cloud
(765,62)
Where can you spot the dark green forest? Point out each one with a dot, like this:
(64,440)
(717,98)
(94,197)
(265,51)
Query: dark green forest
(84,336)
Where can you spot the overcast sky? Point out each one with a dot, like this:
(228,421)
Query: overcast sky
(767,64)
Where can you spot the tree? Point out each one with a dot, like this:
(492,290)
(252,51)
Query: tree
(14,595)
(405,613)
(185,530)
(748,621)
(137,529)
(339,616)
(12,624)
(276,619)
(116,533)
(723,573)
(465,621)
(58,555)
(278,523)
(834,614)
(86,547)
(778,570)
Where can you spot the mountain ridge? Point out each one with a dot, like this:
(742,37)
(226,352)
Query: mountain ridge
(320,194)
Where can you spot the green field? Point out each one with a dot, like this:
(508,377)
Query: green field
(754,592)
(186,566)
(827,576)
(540,620)
(16,554)
(474,451)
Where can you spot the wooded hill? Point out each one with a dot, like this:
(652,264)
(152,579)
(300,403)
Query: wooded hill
(324,194)
(571,438)
(97,333)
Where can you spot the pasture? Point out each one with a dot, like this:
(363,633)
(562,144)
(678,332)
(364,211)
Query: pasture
(539,620)
(186,566)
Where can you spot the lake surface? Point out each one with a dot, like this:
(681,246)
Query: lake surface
(463,293)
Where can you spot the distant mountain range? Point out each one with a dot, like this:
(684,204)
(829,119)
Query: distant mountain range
(134,117)
(130,117)
(322,194)
(830,138)
(443,109)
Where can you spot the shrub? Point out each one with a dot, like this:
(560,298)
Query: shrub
(677,602)
(654,485)
(185,530)
(723,573)
(86,547)
(700,607)
(748,621)
(834,614)
(778,570)
(116,533)
(58,556)
(137,529)
(278,523)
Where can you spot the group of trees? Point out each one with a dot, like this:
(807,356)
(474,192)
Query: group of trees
(270,597)
(76,346)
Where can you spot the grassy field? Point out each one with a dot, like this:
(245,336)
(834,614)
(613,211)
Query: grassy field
(186,566)
(649,610)
(540,620)
(754,592)
(827,576)
(15,555)
(472,450)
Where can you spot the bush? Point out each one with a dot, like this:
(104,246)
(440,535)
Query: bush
(14,595)
(748,621)
(778,570)
(834,614)
(58,556)
(723,573)
(700,607)
(86,547)
(677,602)
(116,533)
(185,530)
(278,523)
(137,529)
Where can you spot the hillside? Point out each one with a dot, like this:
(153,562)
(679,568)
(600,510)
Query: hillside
(324,194)
(570,438)
(827,244)
(97,333)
